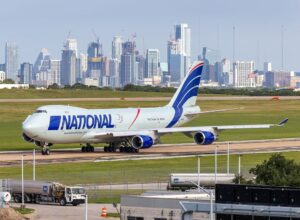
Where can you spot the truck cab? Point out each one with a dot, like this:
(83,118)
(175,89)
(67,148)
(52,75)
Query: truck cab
(74,196)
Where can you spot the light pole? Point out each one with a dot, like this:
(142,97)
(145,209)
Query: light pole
(22,206)
(211,206)
(198,173)
(33,166)
(86,207)
(228,157)
(216,163)
(239,169)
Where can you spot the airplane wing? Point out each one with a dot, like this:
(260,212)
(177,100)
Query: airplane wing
(213,111)
(161,131)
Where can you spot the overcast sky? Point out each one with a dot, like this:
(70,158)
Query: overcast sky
(35,24)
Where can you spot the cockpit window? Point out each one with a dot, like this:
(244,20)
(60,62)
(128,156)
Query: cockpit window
(40,111)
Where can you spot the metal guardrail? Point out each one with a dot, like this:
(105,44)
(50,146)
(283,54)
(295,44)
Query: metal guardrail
(238,209)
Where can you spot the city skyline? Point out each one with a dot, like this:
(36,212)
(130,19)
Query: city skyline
(257,27)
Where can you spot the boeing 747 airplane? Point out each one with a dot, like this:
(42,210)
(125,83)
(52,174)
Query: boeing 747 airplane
(126,129)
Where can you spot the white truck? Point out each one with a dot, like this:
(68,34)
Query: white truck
(45,192)
(185,181)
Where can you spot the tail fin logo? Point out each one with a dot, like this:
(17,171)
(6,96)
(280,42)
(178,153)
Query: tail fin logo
(187,92)
(190,86)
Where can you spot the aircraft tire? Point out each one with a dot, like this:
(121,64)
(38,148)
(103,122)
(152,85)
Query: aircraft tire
(83,149)
(47,152)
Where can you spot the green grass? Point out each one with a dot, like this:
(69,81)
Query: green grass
(140,171)
(24,211)
(110,196)
(113,215)
(12,115)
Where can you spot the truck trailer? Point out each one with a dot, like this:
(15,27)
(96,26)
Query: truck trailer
(45,192)
(186,181)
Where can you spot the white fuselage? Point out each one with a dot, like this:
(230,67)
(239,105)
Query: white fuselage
(66,124)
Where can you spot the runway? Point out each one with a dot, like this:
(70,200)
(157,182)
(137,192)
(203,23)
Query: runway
(147,99)
(156,152)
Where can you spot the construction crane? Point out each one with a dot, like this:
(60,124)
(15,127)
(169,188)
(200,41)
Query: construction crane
(96,36)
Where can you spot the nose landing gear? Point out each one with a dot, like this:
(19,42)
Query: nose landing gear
(46,149)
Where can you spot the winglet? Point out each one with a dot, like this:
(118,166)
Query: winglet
(283,122)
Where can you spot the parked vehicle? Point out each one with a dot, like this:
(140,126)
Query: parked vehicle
(45,192)
(185,181)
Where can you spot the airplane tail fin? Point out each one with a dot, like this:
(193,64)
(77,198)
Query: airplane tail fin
(186,94)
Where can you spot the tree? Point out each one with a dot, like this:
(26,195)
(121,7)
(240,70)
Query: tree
(8,81)
(277,171)
(53,86)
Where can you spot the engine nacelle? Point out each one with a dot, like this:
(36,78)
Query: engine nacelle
(142,142)
(204,137)
(26,138)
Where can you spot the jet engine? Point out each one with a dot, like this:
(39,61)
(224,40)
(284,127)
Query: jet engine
(142,142)
(204,137)
(26,138)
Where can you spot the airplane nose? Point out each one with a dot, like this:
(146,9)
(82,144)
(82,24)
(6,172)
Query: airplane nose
(26,127)
(30,128)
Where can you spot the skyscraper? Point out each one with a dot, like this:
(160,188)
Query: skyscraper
(11,61)
(68,67)
(152,63)
(210,58)
(267,66)
(95,62)
(243,72)
(129,70)
(126,69)
(26,72)
(176,62)
(54,72)
(116,48)
(71,44)
(42,63)
(179,50)
(183,35)
(114,73)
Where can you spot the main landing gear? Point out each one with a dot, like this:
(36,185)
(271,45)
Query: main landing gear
(122,147)
(87,148)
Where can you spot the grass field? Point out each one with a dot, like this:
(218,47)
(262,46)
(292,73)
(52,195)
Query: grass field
(12,115)
(141,171)
(124,172)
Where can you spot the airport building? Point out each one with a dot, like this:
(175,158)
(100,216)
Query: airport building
(226,202)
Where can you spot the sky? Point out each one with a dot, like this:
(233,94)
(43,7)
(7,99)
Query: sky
(36,24)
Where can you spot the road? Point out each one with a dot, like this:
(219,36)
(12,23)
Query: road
(135,99)
(156,152)
(56,212)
